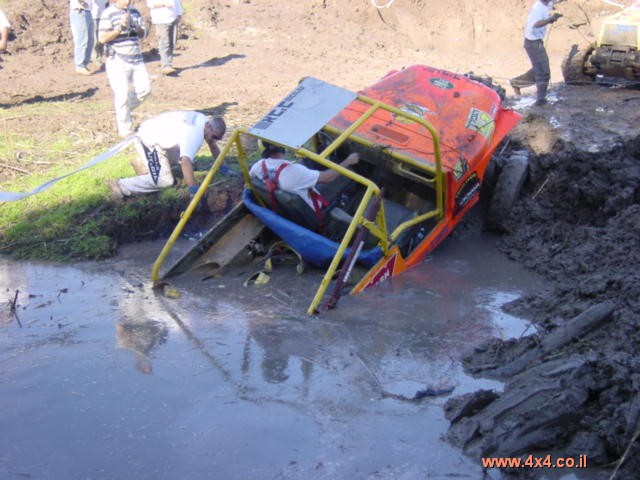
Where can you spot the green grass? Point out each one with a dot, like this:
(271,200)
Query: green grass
(76,218)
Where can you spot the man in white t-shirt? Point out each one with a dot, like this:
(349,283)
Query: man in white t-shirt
(535,30)
(171,138)
(4,32)
(165,16)
(294,177)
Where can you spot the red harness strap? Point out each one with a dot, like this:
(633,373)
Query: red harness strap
(319,202)
(272,184)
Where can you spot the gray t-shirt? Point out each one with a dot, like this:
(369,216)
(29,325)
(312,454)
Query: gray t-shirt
(127,44)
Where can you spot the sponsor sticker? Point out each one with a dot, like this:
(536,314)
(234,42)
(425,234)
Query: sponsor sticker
(441,83)
(460,168)
(384,273)
(481,122)
(413,109)
(466,192)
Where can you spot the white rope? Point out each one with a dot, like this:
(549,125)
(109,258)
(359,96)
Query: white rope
(614,3)
(13,196)
(375,4)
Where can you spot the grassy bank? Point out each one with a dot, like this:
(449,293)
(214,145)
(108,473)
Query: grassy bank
(76,218)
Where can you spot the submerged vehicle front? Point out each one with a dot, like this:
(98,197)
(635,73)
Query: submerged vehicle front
(424,137)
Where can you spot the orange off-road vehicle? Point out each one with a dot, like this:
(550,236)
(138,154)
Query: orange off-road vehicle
(425,138)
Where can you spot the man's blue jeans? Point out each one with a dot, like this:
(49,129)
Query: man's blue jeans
(83,36)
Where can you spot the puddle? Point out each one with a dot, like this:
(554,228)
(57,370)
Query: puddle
(107,380)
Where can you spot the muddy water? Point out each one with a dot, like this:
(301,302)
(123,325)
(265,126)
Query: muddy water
(103,379)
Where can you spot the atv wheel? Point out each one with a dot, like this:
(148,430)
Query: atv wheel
(573,65)
(508,187)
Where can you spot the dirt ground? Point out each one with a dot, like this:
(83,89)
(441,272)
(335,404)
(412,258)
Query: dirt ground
(577,224)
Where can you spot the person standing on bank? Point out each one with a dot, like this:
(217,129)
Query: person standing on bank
(539,75)
(165,16)
(97,8)
(171,138)
(82,32)
(121,29)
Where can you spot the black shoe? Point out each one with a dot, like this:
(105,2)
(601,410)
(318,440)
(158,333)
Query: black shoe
(540,102)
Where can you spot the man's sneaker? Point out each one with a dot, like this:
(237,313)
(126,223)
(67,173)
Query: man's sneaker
(83,71)
(116,192)
(540,102)
(168,70)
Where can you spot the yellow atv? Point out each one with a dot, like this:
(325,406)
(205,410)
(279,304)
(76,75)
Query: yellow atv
(616,52)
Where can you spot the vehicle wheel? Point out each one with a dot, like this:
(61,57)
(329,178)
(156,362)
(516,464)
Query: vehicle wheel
(508,186)
(573,65)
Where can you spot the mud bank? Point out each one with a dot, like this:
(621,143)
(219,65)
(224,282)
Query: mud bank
(578,225)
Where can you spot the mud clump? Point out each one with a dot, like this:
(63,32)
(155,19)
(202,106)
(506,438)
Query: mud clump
(571,387)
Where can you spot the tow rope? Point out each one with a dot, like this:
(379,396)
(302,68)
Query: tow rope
(14,196)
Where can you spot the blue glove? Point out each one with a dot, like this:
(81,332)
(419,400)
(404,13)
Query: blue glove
(202,206)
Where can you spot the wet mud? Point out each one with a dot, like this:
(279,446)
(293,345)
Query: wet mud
(577,225)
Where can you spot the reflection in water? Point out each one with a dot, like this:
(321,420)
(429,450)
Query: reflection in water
(241,366)
(276,343)
(141,338)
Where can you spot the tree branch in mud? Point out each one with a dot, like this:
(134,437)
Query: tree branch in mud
(560,337)
(15,299)
(13,308)
(624,455)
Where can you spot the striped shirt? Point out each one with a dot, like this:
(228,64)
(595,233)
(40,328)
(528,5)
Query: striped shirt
(127,44)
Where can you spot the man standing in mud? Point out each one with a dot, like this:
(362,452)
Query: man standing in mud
(539,75)
(121,29)
(171,138)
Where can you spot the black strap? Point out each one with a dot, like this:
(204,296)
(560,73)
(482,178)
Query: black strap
(153,161)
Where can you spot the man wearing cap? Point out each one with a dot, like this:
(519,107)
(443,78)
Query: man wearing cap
(171,138)
(539,75)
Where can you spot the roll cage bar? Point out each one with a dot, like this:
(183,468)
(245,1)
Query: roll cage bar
(377,228)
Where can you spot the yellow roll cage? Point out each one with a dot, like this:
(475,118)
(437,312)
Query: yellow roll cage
(378,228)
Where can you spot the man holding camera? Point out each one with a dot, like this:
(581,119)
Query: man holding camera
(121,29)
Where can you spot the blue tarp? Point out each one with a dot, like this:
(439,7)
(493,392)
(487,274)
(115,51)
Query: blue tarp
(313,247)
